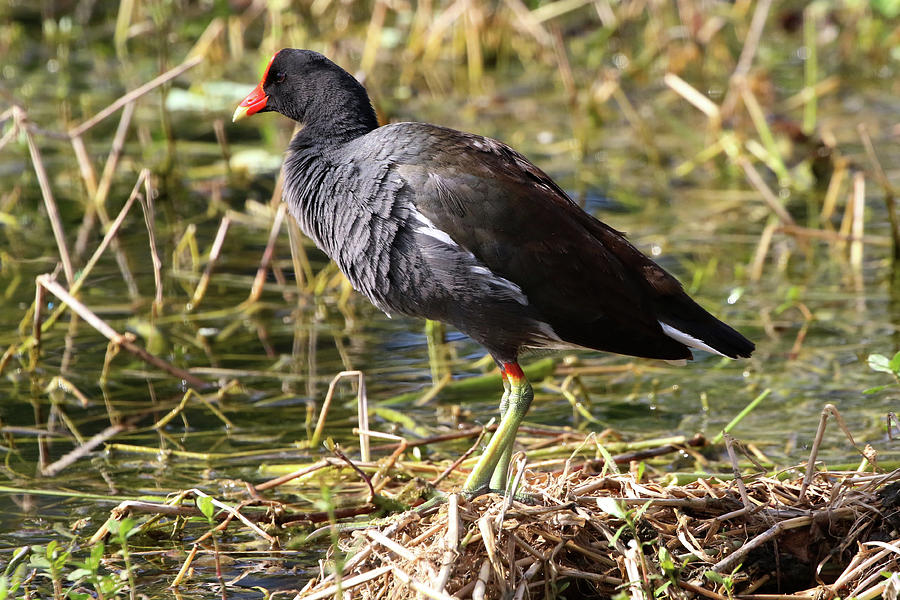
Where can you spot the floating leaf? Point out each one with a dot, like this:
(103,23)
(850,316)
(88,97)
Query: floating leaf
(880,363)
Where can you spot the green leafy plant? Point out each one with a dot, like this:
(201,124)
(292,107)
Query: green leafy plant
(14,573)
(882,364)
(206,506)
(670,570)
(631,518)
(122,530)
(58,565)
(613,507)
(727,581)
(105,585)
(51,560)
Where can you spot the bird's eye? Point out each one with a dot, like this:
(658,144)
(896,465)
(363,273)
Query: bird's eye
(279,76)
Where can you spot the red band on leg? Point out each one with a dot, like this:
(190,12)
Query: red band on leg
(513,371)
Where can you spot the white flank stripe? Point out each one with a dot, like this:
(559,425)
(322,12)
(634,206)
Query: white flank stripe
(422,218)
(687,340)
(501,281)
(431,230)
(517,293)
(437,234)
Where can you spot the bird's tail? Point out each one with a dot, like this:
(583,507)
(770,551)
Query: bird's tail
(690,324)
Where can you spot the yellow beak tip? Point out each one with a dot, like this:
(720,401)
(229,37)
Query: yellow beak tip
(239,113)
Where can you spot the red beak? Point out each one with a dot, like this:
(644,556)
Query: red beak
(252,104)
(255,100)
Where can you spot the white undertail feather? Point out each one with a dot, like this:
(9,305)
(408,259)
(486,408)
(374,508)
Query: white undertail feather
(688,340)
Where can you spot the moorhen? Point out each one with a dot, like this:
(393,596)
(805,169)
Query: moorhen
(452,226)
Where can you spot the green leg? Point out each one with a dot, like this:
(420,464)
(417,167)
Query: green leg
(498,477)
(490,472)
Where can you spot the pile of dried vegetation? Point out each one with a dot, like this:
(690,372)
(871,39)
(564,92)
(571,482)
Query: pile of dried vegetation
(599,535)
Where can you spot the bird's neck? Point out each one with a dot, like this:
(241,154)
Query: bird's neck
(337,121)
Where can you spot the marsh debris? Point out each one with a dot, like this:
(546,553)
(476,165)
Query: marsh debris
(602,535)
